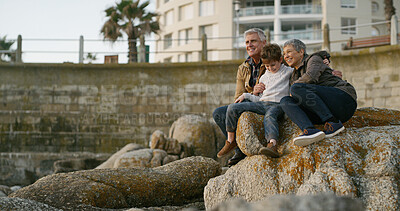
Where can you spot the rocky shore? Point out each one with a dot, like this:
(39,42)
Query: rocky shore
(355,170)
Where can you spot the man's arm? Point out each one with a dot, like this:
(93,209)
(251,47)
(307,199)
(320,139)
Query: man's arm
(240,84)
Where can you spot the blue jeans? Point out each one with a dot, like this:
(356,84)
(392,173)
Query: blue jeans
(219,116)
(312,104)
(272,111)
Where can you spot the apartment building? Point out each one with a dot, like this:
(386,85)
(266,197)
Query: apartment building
(183,22)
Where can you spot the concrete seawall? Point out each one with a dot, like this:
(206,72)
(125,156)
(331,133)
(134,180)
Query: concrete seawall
(101,108)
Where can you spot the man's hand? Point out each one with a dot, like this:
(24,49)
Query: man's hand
(240,99)
(259,88)
(337,73)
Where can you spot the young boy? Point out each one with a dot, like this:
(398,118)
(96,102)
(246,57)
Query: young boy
(276,81)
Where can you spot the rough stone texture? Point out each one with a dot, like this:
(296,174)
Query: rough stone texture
(5,189)
(68,165)
(170,145)
(24,204)
(173,184)
(362,162)
(197,132)
(320,202)
(25,168)
(111,161)
(141,158)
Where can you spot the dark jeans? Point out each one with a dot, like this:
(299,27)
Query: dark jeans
(271,111)
(312,104)
(219,116)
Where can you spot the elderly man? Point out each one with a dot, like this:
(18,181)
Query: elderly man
(247,78)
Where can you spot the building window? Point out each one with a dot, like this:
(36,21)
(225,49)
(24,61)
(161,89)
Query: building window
(186,12)
(168,60)
(374,7)
(169,18)
(167,41)
(165,1)
(184,36)
(206,8)
(346,22)
(185,57)
(209,30)
(348,3)
(188,57)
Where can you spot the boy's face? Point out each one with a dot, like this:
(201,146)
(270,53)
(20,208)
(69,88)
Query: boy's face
(272,65)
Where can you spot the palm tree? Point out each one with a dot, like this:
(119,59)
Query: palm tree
(5,46)
(131,18)
(389,11)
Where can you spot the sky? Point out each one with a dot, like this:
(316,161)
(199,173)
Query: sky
(60,23)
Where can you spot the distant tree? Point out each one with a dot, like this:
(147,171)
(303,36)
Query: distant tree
(4,46)
(129,17)
(389,11)
(91,57)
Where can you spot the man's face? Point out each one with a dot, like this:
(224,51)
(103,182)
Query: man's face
(254,45)
(292,57)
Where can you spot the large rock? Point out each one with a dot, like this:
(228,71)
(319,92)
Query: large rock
(361,162)
(24,204)
(170,145)
(141,158)
(198,133)
(282,202)
(110,162)
(76,164)
(176,183)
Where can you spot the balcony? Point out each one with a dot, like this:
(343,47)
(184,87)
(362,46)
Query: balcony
(302,35)
(256,11)
(290,9)
(301,9)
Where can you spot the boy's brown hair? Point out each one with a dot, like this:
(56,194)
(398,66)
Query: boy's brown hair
(271,52)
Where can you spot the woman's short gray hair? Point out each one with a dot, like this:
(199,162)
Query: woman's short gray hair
(297,44)
(260,33)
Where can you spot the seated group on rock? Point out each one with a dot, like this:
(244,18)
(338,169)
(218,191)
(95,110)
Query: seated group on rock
(306,89)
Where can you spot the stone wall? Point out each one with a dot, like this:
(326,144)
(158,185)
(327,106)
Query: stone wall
(374,72)
(101,108)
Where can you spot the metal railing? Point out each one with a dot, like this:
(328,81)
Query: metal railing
(301,9)
(71,49)
(285,10)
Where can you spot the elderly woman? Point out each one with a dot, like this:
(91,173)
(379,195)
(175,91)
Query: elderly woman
(316,95)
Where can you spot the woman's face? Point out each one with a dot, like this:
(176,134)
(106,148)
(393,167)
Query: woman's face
(292,57)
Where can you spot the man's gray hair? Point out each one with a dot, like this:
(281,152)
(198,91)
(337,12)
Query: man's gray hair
(297,44)
(260,33)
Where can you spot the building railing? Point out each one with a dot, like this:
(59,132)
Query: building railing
(72,49)
(256,11)
(301,9)
(290,9)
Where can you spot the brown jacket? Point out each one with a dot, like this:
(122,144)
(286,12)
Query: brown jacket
(243,78)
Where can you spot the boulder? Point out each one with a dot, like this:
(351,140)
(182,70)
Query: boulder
(5,189)
(109,163)
(76,164)
(170,145)
(198,133)
(174,184)
(23,204)
(291,202)
(361,162)
(141,158)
